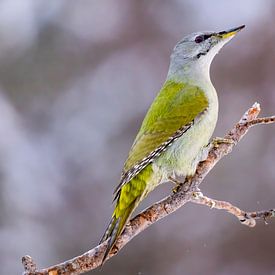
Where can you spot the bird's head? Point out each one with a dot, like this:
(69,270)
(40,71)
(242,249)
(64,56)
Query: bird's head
(202,46)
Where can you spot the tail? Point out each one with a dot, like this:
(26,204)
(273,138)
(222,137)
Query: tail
(128,198)
(116,227)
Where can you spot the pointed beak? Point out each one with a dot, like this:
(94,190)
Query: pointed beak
(229,33)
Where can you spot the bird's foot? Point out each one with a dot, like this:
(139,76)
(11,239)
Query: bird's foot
(218,140)
(178,184)
(176,189)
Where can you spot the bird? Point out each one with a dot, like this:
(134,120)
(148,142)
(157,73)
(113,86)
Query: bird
(175,133)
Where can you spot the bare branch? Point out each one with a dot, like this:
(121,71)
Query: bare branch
(246,218)
(92,259)
(261,120)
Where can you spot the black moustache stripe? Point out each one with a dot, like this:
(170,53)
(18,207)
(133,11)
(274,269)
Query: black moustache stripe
(202,53)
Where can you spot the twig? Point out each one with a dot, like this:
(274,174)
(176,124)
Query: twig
(92,259)
(261,120)
(246,218)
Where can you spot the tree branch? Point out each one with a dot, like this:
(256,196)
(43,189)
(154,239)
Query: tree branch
(246,218)
(92,259)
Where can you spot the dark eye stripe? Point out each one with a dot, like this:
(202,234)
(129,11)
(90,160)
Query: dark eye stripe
(201,38)
(206,36)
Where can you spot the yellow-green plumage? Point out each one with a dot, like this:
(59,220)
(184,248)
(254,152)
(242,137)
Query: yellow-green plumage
(175,130)
(176,105)
(129,196)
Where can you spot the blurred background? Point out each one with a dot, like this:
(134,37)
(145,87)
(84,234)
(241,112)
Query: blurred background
(76,78)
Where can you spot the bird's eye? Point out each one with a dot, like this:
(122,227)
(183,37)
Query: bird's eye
(199,39)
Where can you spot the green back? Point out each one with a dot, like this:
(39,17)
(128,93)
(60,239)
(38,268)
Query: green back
(176,105)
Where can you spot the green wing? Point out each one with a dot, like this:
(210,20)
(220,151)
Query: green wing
(176,106)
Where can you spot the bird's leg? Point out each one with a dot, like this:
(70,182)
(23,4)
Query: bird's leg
(216,141)
(184,184)
(178,184)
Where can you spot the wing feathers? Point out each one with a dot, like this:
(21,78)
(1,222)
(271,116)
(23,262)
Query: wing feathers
(126,177)
(172,113)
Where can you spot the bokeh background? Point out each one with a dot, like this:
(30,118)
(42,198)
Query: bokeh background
(76,78)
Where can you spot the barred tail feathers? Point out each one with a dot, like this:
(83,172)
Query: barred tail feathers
(115,228)
(127,200)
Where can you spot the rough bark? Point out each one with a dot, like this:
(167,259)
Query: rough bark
(188,192)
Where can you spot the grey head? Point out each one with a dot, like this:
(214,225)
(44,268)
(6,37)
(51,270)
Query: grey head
(200,48)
